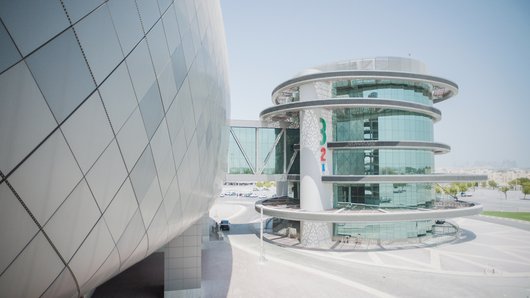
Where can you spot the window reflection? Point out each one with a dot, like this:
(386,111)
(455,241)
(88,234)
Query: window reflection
(385,195)
(373,124)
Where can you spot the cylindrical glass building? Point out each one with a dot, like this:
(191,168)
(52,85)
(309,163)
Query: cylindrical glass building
(366,149)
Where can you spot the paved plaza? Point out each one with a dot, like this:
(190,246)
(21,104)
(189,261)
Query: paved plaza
(491,259)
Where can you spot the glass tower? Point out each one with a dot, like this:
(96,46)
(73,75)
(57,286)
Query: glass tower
(366,147)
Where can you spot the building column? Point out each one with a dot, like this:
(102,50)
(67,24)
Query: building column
(282,188)
(315,161)
(182,263)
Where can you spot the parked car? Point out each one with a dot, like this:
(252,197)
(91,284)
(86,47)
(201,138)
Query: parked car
(465,194)
(224,225)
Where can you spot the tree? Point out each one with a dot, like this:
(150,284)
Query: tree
(492,184)
(526,189)
(438,189)
(505,189)
(483,184)
(513,183)
(462,187)
(453,190)
(523,180)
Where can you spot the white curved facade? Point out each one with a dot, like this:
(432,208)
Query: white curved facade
(112,135)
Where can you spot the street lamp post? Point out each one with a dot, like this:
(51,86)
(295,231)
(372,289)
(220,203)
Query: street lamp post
(262,256)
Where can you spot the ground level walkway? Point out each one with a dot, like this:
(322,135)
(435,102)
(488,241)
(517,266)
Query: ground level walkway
(493,260)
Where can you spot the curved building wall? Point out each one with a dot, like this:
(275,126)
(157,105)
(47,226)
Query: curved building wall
(112,135)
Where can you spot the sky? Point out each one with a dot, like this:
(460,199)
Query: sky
(483,46)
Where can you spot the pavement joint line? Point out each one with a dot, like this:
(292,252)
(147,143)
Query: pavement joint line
(251,243)
(500,249)
(487,258)
(435,259)
(445,272)
(333,277)
(485,267)
(395,256)
(522,241)
(375,258)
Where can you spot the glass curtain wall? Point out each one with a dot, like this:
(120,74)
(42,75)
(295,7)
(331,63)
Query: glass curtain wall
(261,150)
(384,195)
(375,124)
(385,89)
(384,231)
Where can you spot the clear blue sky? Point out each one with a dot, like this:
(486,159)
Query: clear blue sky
(483,46)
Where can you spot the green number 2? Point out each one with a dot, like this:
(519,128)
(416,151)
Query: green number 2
(323,131)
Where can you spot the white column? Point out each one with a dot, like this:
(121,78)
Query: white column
(281,188)
(182,264)
(315,195)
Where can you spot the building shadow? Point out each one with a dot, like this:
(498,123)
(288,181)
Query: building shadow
(143,279)
(465,236)
(146,278)
(240,229)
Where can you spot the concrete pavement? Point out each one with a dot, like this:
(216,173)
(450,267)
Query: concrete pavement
(493,263)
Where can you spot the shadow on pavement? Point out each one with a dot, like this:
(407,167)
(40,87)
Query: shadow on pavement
(240,229)
(465,236)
